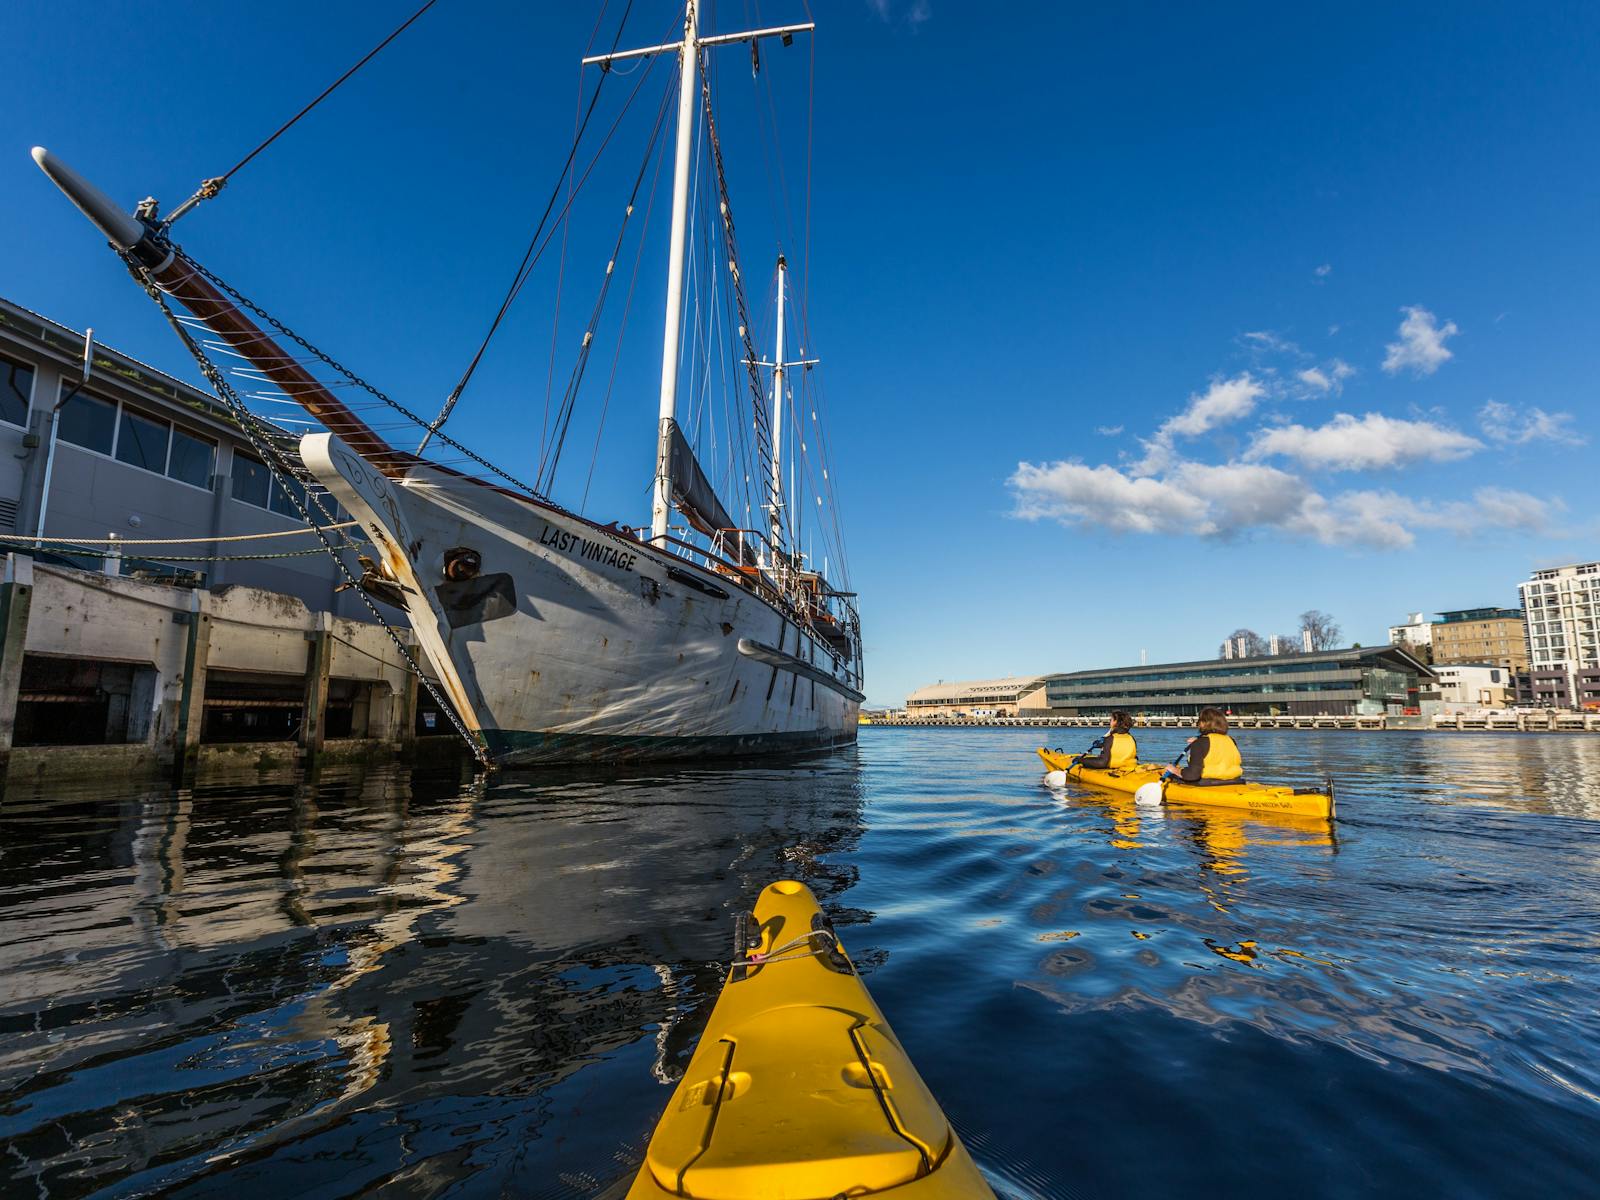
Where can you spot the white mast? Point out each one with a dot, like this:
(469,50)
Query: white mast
(778,504)
(688,98)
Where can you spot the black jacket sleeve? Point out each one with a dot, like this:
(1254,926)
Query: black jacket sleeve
(1099,760)
(1194,769)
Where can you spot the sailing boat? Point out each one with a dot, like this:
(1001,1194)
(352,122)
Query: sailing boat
(556,638)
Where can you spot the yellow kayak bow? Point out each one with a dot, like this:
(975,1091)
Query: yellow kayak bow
(798,1090)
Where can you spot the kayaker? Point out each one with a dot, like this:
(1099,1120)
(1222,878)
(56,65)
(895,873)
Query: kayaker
(1117,750)
(1213,755)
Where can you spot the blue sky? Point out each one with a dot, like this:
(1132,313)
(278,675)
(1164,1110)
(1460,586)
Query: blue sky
(1139,323)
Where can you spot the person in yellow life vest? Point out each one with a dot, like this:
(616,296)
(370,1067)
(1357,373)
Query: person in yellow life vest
(1213,756)
(1116,751)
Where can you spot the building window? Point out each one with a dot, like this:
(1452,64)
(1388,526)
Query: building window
(131,437)
(88,422)
(192,459)
(254,484)
(16,387)
(250,479)
(142,442)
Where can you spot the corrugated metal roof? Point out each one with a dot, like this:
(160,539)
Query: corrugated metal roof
(1007,688)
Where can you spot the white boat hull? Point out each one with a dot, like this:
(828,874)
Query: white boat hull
(578,643)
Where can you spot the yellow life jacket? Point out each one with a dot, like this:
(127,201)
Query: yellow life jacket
(1222,759)
(1121,752)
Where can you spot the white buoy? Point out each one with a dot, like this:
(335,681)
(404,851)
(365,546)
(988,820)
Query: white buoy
(1055,779)
(1148,793)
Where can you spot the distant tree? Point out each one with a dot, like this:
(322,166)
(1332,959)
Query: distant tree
(1324,630)
(1254,644)
(1288,643)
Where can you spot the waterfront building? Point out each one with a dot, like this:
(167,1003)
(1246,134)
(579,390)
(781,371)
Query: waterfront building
(1415,632)
(1357,680)
(1481,635)
(1475,685)
(141,455)
(1007,697)
(1563,629)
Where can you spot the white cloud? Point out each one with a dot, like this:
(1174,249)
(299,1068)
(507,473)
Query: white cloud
(1323,271)
(1226,400)
(1505,424)
(917,13)
(1239,498)
(1104,497)
(1374,441)
(1265,339)
(1323,380)
(1108,430)
(1421,349)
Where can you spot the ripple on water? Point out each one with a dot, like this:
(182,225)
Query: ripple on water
(382,980)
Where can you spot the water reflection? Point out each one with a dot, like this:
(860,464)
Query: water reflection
(384,982)
(201,987)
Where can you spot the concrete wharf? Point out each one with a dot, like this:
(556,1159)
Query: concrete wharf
(101,672)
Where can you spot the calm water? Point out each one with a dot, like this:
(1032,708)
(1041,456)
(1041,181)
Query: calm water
(390,983)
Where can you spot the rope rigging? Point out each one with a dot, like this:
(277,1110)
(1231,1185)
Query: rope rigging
(283,467)
(762,425)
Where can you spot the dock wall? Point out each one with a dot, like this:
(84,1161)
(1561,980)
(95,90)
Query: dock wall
(101,672)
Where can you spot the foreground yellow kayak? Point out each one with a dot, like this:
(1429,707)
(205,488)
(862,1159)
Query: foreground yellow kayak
(798,1089)
(1256,797)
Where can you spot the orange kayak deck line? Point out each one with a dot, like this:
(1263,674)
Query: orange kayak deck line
(798,1089)
(1254,797)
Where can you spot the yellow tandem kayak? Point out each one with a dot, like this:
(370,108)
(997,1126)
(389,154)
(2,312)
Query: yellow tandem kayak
(1256,797)
(798,1090)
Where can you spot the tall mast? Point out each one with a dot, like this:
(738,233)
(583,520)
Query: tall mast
(688,97)
(778,506)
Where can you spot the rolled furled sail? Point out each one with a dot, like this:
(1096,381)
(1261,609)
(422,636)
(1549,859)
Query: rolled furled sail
(692,491)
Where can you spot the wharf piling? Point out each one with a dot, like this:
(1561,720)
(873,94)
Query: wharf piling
(106,673)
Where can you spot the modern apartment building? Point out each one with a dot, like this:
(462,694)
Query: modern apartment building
(1563,622)
(1474,685)
(1415,632)
(1496,636)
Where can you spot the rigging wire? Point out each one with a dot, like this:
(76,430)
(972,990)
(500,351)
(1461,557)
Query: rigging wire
(569,399)
(531,255)
(627,307)
(211,187)
(283,467)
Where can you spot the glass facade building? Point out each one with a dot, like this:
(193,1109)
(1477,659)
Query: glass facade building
(1374,679)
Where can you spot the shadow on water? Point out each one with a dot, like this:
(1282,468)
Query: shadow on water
(379,979)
